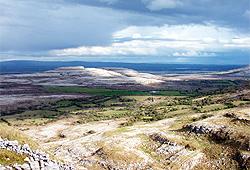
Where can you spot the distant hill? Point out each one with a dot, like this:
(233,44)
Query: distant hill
(22,66)
(240,71)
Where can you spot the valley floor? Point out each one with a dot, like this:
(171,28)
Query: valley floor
(122,119)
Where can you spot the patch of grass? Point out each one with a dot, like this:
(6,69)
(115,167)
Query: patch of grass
(144,114)
(203,116)
(97,115)
(193,141)
(116,132)
(93,91)
(116,154)
(111,92)
(95,166)
(114,113)
(151,113)
(35,114)
(240,102)
(11,133)
(139,98)
(229,105)
(33,117)
(212,150)
(149,147)
(68,109)
(179,123)
(224,82)
(212,107)
(30,121)
(8,158)
(64,103)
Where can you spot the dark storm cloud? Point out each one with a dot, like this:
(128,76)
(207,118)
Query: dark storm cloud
(44,25)
(27,25)
(227,12)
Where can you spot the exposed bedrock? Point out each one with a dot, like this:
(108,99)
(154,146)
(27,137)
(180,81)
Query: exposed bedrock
(220,133)
(176,156)
(35,159)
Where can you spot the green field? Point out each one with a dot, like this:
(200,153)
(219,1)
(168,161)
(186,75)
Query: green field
(133,105)
(111,92)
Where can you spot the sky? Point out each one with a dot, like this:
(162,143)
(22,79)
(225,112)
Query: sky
(140,31)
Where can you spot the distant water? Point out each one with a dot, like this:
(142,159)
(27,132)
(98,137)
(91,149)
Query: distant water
(38,66)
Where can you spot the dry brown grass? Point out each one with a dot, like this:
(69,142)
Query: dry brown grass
(10,133)
(118,154)
(9,157)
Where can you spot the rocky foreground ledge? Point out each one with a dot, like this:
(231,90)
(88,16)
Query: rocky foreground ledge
(35,160)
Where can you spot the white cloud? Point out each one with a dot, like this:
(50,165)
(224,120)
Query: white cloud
(156,5)
(167,40)
(127,48)
(178,32)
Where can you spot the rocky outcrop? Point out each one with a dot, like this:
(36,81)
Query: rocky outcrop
(221,133)
(245,157)
(35,160)
(235,118)
(176,156)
